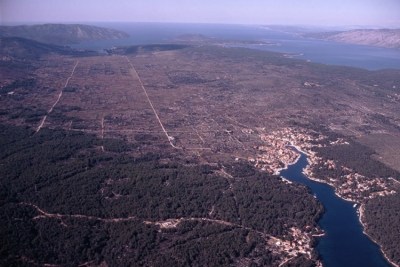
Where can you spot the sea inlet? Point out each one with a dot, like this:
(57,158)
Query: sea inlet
(344,243)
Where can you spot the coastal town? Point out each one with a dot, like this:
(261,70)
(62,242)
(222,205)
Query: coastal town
(283,147)
(174,154)
(298,242)
(350,186)
(355,187)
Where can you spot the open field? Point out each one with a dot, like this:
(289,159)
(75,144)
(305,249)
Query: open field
(387,147)
(189,99)
(230,111)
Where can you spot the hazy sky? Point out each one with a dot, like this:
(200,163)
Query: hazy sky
(299,12)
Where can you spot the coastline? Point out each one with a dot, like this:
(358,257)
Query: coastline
(320,232)
(360,210)
(300,151)
(360,213)
(309,154)
(279,170)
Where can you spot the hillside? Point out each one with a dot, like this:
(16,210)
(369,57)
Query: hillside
(61,33)
(382,38)
(19,56)
(21,48)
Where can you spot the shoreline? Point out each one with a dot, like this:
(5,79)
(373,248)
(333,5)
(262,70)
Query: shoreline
(360,210)
(279,170)
(300,150)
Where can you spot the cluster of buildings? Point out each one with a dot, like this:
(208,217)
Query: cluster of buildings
(351,185)
(298,242)
(281,148)
(277,151)
(358,187)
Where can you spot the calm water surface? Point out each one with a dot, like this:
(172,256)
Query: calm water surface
(326,52)
(344,243)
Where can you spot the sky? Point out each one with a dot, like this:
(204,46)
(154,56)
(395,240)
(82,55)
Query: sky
(378,13)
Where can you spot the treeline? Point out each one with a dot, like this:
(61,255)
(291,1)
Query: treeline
(357,157)
(353,155)
(145,48)
(24,49)
(382,214)
(27,114)
(26,84)
(383,224)
(65,173)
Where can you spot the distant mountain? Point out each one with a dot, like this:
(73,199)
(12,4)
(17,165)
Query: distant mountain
(389,38)
(61,33)
(12,48)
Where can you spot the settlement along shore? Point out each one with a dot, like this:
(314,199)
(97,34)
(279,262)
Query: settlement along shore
(277,153)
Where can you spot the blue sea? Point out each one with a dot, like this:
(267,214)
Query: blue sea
(291,44)
(344,243)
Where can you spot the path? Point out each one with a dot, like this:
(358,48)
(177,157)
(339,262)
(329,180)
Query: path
(170,138)
(169,223)
(44,214)
(102,133)
(229,178)
(42,122)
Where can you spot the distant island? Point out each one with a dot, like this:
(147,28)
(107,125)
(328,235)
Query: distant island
(170,154)
(61,34)
(389,38)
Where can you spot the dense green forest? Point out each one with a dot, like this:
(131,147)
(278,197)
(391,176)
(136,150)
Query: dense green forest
(64,202)
(382,216)
(356,157)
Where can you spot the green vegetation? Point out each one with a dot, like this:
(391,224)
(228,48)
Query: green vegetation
(27,49)
(69,198)
(24,84)
(146,48)
(382,216)
(354,156)
(65,174)
(61,34)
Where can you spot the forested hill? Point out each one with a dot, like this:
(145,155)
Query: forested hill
(16,48)
(63,202)
(61,33)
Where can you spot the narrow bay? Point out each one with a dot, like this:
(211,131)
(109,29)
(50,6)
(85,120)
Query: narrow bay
(344,243)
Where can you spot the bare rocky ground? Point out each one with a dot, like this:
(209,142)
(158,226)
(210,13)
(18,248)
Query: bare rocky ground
(389,38)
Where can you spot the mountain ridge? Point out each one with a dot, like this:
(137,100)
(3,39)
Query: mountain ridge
(18,48)
(389,38)
(61,34)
